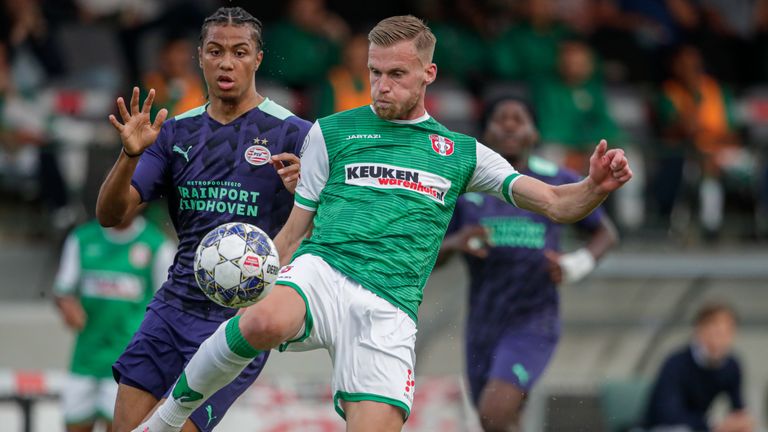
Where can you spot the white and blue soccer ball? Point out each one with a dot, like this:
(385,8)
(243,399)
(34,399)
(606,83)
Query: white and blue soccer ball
(236,264)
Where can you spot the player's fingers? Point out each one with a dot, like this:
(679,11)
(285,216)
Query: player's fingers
(123,110)
(115,123)
(287,157)
(483,233)
(278,164)
(625,178)
(135,101)
(286,170)
(601,148)
(148,101)
(618,163)
(616,158)
(551,256)
(159,119)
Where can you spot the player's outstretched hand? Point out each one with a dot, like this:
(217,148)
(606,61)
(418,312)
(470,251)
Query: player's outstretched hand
(471,239)
(553,265)
(608,169)
(137,132)
(288,167)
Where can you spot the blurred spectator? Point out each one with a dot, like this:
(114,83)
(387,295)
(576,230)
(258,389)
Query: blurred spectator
(465,27)
(23,24)
(529,50)
(105,281)
(347,85)
(696,117)
(572,108)
(136,19)
(29,164)
(177,83)
(728,26)
(301,49)
(691,378)
(760,41)
(628,42)
(663,22)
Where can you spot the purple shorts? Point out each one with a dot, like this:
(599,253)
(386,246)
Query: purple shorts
(161,348)
(519,356)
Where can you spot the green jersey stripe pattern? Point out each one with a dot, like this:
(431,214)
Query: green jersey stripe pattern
(387,200)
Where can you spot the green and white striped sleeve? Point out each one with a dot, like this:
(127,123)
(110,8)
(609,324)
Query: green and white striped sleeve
(493,175)
(314,169)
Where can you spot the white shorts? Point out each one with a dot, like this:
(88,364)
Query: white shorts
(371,342)
(85,399)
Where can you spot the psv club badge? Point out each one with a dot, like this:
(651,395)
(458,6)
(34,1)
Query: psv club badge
(441,145)
(257,155)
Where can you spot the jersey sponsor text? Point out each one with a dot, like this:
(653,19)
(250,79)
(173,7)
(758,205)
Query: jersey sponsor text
(385,176)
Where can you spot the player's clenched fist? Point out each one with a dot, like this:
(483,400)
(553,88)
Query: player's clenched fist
(608,169)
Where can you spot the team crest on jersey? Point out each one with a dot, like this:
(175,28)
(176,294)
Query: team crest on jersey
(139,255)
(257,155)
(441,145)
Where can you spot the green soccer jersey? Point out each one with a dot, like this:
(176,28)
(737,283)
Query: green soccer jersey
(384,192)
(114,274)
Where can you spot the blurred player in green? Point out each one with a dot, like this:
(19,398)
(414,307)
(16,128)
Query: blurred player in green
(106,278)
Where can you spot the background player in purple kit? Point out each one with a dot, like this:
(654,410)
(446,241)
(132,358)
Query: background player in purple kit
(515,267)
(211,163)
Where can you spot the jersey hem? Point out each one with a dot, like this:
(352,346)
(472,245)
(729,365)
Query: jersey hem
(358,397)
(341,269)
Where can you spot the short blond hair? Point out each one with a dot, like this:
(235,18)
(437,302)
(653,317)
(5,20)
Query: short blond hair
(396,29)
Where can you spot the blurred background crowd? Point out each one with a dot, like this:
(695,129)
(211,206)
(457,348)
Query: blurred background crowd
(679,84)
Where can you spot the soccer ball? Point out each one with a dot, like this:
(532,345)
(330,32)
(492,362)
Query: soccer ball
(236,264)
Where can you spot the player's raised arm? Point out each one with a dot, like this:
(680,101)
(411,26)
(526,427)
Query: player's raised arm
(608,171)
(117,197)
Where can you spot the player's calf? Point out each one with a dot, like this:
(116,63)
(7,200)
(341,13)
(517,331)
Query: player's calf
(131,406)
(224,355)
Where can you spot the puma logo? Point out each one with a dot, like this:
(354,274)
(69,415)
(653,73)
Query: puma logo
(183,393)
(211,417)
(185,153)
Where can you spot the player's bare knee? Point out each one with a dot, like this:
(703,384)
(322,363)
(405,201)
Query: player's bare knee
(370,416)
(264,329)
(500,414)
(499,421)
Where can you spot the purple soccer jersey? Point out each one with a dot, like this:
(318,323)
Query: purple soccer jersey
(513,323)
(212,174)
